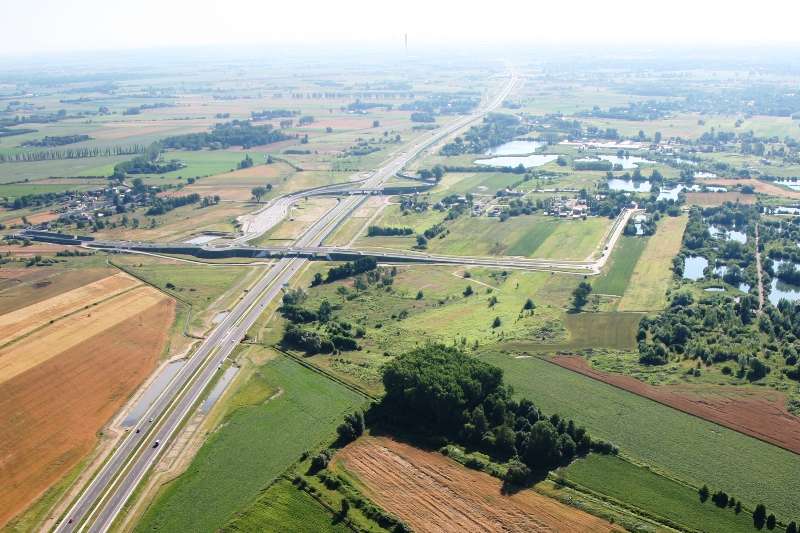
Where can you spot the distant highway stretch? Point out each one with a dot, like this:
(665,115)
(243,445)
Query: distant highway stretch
(102,499)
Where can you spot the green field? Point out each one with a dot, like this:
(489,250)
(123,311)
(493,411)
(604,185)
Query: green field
(669,441)
(574,239)
(585,331)
(284,507)
(254,445)
(614,280)
(488,236)
(656,495)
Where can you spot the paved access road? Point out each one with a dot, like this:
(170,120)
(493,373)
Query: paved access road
(101,501)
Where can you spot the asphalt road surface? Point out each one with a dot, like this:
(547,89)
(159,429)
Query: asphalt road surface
(101,501)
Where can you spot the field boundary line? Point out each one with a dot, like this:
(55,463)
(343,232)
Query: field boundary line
(159,289)
(71,313)
(321,371)
(729,428)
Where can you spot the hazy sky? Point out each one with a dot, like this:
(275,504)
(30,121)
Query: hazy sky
(35,26)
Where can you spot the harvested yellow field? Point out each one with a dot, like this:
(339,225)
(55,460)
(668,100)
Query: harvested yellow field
(64,334)
(647,287)
(18,323)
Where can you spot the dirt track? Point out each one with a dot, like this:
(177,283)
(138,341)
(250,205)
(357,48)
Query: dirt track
(432,493)
(759,413)
(51,413)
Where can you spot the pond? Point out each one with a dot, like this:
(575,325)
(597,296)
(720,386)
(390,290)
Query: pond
(627,163)
(219,388)
(714,188)
(693,267)
(780,290)
(152,392)
(619,184)
(671,194)
(794,185)
(515,148)
(527,161)
(730,235)
(714,289)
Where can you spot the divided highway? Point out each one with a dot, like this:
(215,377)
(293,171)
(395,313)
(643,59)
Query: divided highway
(101,501)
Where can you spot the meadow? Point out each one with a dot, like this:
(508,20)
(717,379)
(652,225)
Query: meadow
(284,507)
(616,276)
(647,288)
(658,496)
(668,441)
(254,444)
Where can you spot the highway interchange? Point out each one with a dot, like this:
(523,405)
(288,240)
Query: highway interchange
(101,501)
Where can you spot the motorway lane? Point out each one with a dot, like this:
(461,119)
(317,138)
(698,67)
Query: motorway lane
(133,458)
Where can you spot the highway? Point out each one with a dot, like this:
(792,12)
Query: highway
(101,501)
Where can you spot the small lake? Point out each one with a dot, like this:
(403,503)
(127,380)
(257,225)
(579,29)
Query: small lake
(780,290)
(794,185)
(619,184)
(730,235)
(714,289)
(672,194)
(527,161)
(693,267)
(713,188)
(152,392)
(515,148)
(219,388)
(627,163)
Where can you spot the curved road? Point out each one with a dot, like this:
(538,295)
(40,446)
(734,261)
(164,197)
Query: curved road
(101,501)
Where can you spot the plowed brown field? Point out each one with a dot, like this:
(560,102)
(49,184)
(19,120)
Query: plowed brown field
(22,321)
(759,413)
(763,187)
(61,385)
(25,286)
(432,493)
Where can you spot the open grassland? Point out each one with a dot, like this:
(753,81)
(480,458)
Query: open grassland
(667,440)
(203,287)
(647,289)
(655,495)
(293,410)
(396,321)
(59,388)
(585,331)
(37,170)
(284,507)
(574,239)
(711,199)
(614,280)
(179,224)
(432,493)
(349,230)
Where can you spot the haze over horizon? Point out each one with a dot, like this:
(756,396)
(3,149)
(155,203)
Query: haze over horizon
(97,25)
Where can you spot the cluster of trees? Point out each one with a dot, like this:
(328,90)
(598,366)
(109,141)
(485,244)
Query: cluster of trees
(435,173)
(35,200)
(648,226)
(72,153)
(517,208)
(56,140)
(580,296)
(235,133)
(260,191)
(382,231)
(440,391)
(328,335)
(247,162)
(269,114)
(445,104)
(636,111)
(351,268)
(138,109)
(421,116)
(145,164)
(760,516)
(594,164)
(163,205)
(496,129)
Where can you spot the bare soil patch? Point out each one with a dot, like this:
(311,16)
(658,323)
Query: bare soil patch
(64,334)
(20,287)
(759,413)
(22,321)
(432,493)
(50,414)
(718,198)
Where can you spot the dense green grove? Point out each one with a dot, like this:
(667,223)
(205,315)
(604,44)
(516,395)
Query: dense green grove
(439,391)
(235,133)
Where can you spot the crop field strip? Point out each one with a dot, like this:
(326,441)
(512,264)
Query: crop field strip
(662,436)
